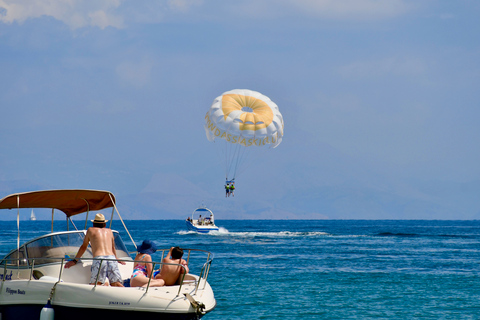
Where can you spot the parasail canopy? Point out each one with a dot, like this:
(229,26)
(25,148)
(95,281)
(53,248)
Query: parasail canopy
(244,118)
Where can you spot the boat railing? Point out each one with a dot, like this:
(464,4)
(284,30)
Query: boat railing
(30,265)
(204,271)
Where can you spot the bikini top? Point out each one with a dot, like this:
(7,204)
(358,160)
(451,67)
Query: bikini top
(140,266)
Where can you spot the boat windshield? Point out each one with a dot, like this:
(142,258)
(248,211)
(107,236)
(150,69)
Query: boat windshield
(54,247)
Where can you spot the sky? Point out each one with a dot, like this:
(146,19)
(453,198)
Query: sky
(379,98)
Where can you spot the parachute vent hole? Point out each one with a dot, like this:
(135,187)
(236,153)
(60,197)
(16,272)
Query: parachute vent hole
(247,109)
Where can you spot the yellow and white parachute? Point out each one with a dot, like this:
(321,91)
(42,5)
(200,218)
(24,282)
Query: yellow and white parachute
(243,118)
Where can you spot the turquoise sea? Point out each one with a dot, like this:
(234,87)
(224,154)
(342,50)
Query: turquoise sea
(323,269)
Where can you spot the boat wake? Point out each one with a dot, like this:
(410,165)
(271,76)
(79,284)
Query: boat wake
(220,231)
(251,234)
(183,232)
(280,234)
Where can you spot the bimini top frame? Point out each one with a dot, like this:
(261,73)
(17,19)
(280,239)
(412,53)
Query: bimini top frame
(71,202)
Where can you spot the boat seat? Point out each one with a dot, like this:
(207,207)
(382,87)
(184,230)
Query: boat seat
(188,279)
(50,279)
(38,275)
(62,252)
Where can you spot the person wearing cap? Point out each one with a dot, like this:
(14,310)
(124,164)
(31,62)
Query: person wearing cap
(173,267)
(143,267)
(227,190)
(102,242)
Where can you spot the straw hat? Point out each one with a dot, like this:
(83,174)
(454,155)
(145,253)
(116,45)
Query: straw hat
(99,218)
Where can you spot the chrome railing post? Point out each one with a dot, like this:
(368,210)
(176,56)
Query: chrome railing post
(61,269)
(31,268)
(207,273)
(150,277)
(184,273)
(98,272)
(200,278)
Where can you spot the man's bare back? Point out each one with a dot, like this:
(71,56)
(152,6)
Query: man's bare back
(171,273)
(102,243)
(101,240)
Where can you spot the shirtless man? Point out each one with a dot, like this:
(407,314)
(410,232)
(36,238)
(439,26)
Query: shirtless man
(170,273)
(103,247)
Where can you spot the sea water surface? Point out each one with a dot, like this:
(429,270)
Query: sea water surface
(323,269)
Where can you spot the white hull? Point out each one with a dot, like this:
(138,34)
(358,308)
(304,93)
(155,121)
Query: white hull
(159,302)
(201,225)
(200,228)
(34,274)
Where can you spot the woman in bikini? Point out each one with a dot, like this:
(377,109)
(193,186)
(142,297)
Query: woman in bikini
(143,266)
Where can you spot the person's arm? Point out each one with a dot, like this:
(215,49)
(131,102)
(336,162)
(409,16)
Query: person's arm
(80,251)
(148,259)
(184,263)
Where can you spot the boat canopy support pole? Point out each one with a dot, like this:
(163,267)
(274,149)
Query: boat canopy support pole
(111,218)
(88,211)
(52,218)
(115,208)
(18,235)
(18,223)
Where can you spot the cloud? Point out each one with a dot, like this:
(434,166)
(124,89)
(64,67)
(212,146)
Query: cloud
(94,13)
(74,13)
(116,13)
(324,9)
(360,9)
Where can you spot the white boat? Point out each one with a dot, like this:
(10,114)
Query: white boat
(202,220)
(32,216)
(33,274)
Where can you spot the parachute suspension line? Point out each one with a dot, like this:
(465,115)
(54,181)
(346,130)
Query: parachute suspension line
(243,164)
(229,156)
(239,159)
(230,151)
(251,156)
(233,161)
(226,160)
(232,155)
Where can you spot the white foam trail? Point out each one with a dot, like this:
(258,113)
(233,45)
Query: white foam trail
(183,232)
(281,234)
(221,230)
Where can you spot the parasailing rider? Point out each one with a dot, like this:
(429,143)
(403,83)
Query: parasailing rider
(227,189)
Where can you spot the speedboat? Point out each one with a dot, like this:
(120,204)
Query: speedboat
(204,221)
(34,280)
